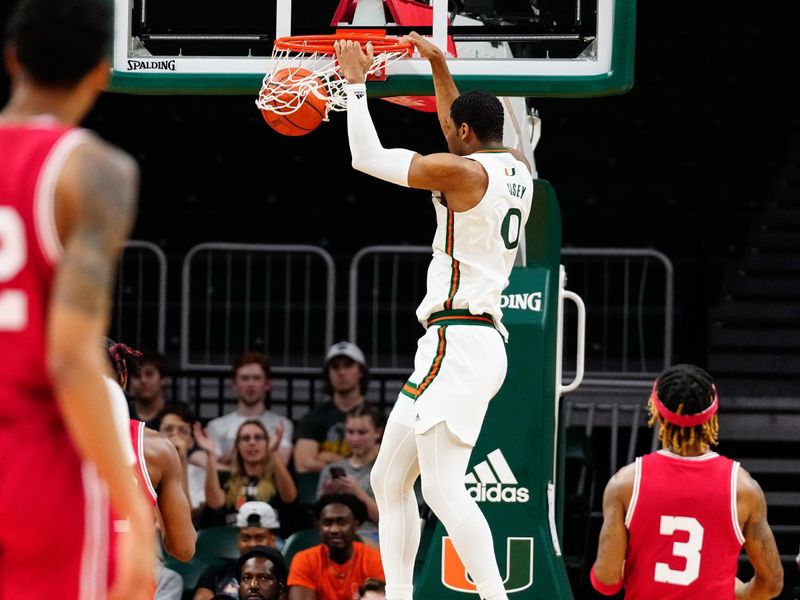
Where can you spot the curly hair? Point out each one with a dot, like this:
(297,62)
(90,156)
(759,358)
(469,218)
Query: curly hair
(356,506)
(123,358)
(281,568)
(482,111)
(687,390)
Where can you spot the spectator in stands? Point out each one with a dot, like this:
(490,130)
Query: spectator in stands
(320,439)
(257,523)
(372,589)
(256,474)
(147,385)
(262,574)
(176,421)
(687,492)
(336,568)
(251,382)
(363,430)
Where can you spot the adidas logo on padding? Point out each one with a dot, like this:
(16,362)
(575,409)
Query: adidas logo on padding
(493,481)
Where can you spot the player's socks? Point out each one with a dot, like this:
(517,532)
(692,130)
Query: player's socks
(400,592)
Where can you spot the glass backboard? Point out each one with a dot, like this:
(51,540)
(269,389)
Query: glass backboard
(534,48)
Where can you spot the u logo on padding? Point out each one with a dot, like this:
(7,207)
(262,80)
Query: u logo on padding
(519,566)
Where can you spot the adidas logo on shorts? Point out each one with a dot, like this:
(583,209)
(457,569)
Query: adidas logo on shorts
(493,481)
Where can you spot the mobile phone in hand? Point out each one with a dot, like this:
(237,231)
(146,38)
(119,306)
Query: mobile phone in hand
(337,472)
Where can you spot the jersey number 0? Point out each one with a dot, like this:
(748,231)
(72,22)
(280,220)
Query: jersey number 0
(509,230)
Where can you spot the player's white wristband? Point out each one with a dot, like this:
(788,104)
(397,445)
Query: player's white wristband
(369,156)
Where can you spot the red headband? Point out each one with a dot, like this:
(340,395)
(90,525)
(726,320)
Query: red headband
(116,351)
(684,420)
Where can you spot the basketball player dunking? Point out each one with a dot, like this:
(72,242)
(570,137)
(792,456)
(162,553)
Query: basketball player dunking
(674,522)
(67,202)
(482,199)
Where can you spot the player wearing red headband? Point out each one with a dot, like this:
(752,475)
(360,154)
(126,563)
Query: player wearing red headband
(674,521)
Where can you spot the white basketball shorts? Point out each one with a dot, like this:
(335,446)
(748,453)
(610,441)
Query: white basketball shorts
(459,367)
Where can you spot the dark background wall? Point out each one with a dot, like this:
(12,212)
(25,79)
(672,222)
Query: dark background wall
(687,162)
(682,163)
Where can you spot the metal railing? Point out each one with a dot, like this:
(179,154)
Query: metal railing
(624,423)
(386,284)
(629,309)
(629,299)
(139,313)
(278,299)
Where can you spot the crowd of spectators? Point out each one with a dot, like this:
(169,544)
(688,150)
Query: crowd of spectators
(241,469)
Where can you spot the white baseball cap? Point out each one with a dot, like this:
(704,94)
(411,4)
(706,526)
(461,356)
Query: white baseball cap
(348,349)
(257,514)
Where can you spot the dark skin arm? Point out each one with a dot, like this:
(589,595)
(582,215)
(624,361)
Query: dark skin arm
(96,198)
(443,85)
(164,468)
(613,544)
(767,582)
(446,93)
(463,181)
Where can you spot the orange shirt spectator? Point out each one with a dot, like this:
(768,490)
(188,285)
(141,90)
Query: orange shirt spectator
(336,568)
(314,569)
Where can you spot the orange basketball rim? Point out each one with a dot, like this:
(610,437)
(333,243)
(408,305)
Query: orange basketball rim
(315,55)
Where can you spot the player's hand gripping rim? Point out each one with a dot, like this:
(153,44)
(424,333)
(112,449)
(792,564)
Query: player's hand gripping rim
(353,61)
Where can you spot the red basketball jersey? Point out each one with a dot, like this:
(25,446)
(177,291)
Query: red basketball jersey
(32,155)
(683,528)
(142,476)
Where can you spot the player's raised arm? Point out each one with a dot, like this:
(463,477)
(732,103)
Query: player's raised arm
(464,181)
(767,582)
(368,155)
(96,204)
(443,84)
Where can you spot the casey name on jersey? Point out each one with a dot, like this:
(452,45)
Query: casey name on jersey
(516,189)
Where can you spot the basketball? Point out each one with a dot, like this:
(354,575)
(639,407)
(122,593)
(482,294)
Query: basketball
(310,109)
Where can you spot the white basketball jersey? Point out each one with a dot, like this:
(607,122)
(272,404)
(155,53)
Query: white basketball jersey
(474,250)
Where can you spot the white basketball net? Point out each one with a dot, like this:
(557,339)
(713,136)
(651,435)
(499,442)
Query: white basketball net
(325,80)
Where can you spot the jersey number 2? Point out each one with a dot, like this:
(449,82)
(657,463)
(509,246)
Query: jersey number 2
(13,254)
(690,550)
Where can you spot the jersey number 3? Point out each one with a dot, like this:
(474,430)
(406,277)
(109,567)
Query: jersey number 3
(690,550)
(13,254)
